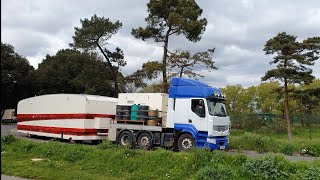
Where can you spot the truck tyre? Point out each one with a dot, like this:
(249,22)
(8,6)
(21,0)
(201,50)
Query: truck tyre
(186,142)
(125,139)
(144,141)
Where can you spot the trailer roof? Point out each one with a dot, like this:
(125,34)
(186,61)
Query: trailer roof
(87,96)
(99,98)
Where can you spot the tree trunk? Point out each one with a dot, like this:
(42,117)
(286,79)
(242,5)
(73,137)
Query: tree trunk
(164,62)
(181,72)
(286,106)
(114,75)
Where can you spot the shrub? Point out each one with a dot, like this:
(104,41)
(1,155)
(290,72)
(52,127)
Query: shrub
(313,149)
(287,149)
(269,167)
(201,158)
(254,123)
(8,139)
(308,174)
(239,159)
(215,172)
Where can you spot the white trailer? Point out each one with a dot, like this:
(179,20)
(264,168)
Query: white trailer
(193,114)
(66,116)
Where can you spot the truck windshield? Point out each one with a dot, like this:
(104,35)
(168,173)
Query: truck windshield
(217,107)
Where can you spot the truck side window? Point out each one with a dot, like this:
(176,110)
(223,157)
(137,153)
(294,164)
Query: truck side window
(197,106)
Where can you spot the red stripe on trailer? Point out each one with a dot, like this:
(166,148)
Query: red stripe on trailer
(59,130)
(32,117)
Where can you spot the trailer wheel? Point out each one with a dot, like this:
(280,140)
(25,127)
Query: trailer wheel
(144,141)
(125,139)
(186,142)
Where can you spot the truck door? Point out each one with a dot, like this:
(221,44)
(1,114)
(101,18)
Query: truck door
(197,114)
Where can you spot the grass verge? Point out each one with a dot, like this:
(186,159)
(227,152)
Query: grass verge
(266,140)
(107,161)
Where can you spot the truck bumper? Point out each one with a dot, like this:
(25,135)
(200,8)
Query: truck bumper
(218,142)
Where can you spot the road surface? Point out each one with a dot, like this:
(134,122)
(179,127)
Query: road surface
(5,177)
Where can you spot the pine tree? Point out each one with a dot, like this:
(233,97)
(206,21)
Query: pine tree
(292,59)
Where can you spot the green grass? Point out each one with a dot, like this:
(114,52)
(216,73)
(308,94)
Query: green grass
(107,161)
(267,140)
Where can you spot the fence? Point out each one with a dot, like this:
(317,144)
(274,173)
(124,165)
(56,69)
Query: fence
(275,122)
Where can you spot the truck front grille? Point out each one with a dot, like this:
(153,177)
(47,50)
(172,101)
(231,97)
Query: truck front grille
(220,128)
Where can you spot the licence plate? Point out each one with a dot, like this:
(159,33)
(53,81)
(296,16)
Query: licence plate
(222,147)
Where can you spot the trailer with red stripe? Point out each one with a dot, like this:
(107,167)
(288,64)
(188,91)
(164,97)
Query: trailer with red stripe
(193,114)
(66,116)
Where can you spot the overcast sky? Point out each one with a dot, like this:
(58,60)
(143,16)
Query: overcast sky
(238,29)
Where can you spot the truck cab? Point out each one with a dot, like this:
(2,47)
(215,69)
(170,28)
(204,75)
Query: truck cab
(198,115)
(192,115)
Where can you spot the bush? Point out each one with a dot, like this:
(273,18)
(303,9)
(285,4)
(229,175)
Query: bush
(251,141)
(91,162)
(309,174)
(201,158)
(287,149)
(263,144)
(268,167)
(8,139)
(239,159)
(313,149)
(254,123)
(216,172)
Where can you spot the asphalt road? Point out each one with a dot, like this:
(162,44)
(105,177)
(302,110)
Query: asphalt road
(11,129)
(5,177)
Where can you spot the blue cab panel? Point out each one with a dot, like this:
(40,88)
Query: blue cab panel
(188,88)
(201,137)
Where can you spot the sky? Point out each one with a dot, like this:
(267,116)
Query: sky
(238,29)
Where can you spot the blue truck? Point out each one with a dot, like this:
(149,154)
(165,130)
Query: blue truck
(192,115)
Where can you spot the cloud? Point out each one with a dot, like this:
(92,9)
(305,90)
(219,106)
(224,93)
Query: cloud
(237,29)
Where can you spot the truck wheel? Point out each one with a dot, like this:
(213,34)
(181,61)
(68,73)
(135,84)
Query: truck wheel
(144,141)
(186,142)
(125,139)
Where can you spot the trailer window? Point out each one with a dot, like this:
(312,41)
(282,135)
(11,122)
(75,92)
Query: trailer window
(197,106)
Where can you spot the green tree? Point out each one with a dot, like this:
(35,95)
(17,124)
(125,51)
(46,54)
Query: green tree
(308,100)
(72,71)
(187,62)
(292,58)
(16,79)
(95,33)
(240,103)
(233,97)
(171,17)
(267,101)
(152,88)
(150,70)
